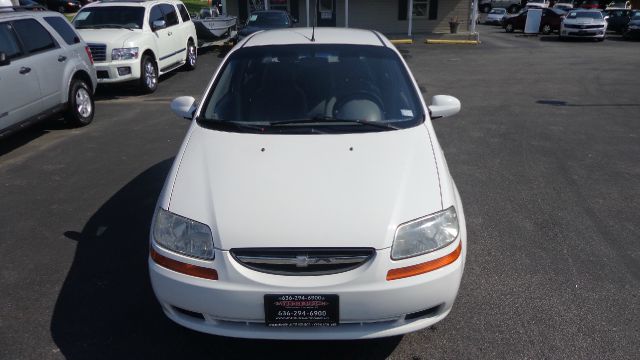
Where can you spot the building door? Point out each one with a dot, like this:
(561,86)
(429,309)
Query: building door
(326,12)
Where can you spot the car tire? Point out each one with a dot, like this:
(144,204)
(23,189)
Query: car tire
(80,108)
(192,56)
(148,75)
(546,29)
(508,28)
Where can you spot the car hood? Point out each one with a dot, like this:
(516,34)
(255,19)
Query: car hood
(349,190)
(251,29)
(114,38)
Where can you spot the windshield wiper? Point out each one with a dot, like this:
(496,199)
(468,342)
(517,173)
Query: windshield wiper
(327,120)
(229,124)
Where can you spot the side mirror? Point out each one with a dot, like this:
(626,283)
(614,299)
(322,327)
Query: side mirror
(184,106)
(4,59)
(444,105)
(158,25)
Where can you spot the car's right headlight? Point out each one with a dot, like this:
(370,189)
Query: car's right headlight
(182,235)
(425,234)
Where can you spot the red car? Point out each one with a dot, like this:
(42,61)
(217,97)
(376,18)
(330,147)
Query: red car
(550,22)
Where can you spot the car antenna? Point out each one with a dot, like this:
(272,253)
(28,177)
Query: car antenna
(315,23)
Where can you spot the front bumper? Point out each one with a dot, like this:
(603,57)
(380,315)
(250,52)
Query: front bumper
(581,33)
(369,305)
(118,71)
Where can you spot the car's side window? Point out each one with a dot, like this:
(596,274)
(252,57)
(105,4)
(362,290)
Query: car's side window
(184,14)
(34,36)
(8,42)
(154,15)
(62,27)
(170,13)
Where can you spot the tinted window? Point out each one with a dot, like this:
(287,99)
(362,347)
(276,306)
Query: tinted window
(269,19)
(155,15)
(184,14)
(130,17)
(263,84)
(33,35)
(170,14)
(8,42)
(62,27)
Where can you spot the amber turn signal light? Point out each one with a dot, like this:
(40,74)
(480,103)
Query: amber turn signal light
(183,268)
(425,267)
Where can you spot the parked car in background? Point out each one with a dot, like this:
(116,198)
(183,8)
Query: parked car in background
(137,41)
(61,6)
(537,4)
(266,20)
(495,16)
(584,24)
(617,19)
(591,4)
(45,69)
(31,5)
(632,30)
(564,6)
(337,112)
(550,21)
(512,6)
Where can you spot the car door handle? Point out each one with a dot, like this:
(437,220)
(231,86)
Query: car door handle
(24,70)
(62,58)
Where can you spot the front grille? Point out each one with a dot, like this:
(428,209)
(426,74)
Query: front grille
(302,261)
(569,26)
(98,52)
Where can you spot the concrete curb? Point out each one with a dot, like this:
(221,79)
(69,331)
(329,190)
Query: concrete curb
(442,41)
(401,41)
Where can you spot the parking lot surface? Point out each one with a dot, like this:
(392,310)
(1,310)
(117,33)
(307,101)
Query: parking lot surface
(544,153)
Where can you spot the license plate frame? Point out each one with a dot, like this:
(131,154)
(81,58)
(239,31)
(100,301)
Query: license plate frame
(302,310)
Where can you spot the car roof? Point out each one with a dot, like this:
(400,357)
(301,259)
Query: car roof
(10,15)
(323,35)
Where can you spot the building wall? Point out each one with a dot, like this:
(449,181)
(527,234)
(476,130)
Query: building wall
(382,15)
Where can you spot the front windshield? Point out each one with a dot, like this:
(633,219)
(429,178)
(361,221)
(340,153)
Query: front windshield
(314,85)
(130,17)
(269,19)
(584,15)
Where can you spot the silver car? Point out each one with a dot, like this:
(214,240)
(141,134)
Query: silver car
(45,69)
(584,23)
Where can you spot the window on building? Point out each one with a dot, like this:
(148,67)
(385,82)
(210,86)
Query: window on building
(420,8)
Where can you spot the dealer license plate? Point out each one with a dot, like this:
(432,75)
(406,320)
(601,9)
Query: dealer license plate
(301,310)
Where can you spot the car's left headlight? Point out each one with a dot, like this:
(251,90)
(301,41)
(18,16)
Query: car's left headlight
(182,235)
(425,234)
(124,53)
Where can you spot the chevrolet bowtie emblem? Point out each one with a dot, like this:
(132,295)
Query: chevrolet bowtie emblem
(302,261)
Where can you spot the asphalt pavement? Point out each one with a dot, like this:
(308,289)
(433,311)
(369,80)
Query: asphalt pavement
(545,153)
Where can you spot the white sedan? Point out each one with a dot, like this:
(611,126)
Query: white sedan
(310,198)
(584,23)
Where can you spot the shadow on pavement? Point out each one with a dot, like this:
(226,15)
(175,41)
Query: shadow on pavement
(106,308)
(20,137)
(564,103)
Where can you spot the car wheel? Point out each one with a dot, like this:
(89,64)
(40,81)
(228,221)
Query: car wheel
(192,56)
(148,75)
(80,108)
(546,29)
(509,28)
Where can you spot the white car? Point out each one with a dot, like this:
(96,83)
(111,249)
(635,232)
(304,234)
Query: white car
(495,16)
(584,24)
(310,198)
(138,40)
(537,4)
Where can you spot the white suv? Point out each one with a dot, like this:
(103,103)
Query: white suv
(45,69)
(138,40)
